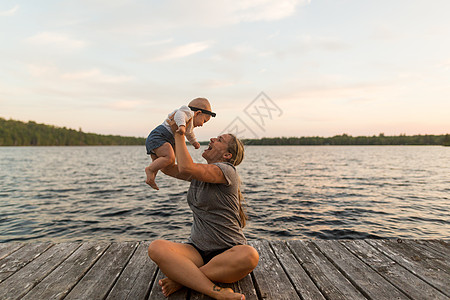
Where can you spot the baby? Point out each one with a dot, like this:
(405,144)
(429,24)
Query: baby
(160,142)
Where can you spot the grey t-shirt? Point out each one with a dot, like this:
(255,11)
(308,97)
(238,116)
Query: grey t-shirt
(215,208)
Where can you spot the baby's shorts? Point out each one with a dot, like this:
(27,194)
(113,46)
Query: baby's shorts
(157,138)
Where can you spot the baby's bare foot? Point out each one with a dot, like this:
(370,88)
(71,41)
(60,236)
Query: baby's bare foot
(169,286)
(151,178)
(226,293)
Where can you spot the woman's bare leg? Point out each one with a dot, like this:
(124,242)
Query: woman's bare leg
(231,265)
(227,267)
(165,156)
(180,263)
(169,286)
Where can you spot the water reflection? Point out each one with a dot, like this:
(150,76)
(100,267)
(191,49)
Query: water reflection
(98,193)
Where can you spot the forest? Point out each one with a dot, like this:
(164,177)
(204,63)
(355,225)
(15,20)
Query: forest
(345,139)
(18,133)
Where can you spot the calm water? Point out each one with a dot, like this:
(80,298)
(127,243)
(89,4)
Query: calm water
(98,193)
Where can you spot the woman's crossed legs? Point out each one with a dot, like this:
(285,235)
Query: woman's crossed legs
(183,266)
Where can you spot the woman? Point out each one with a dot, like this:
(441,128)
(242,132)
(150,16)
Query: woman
(217,249)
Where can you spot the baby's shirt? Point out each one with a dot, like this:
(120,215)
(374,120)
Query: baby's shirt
(183,116)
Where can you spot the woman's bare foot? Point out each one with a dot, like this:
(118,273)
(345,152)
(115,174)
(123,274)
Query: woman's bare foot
(226,293)
(169,286)
(151,178)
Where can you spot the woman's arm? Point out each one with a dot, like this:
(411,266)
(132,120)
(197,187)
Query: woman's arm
(186,167)
(173,172)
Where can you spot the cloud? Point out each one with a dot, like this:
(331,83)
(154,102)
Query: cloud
(160,42)
(172,14)
(236,53)
(322,42)
(96,75)
(56,39)
(339,92)
(10,12)
(445,64)
(126,104)
(212,83)
(41,70)
(384,32)
(273,35)
(263,10)
(183,51)
(53,74)
(162,17)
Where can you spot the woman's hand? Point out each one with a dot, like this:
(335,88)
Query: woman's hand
(173,125)
(181,129)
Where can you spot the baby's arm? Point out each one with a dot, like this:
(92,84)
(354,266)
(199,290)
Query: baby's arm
(182,117)
(191,138)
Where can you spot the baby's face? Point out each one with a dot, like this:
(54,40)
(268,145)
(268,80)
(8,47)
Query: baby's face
(200,119)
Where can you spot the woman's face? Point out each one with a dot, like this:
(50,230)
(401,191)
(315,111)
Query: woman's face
(217,150)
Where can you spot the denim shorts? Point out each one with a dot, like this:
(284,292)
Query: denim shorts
(157,138)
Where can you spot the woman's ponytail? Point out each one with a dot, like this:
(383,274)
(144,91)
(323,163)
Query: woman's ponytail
(236,148)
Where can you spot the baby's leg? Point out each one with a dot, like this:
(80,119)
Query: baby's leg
(164,157)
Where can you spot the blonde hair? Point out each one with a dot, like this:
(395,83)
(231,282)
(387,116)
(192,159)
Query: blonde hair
(236,148)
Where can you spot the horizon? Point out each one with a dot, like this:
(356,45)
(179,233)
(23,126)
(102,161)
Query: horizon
(310,68)
(263,137)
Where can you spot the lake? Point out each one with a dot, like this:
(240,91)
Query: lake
(63,194)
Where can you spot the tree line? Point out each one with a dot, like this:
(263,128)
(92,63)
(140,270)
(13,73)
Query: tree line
(346,139)
(18,133)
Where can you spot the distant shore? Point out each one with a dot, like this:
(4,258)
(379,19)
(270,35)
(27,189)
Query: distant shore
(344,139)
(18,133)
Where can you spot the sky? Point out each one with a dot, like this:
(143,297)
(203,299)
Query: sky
(269,68)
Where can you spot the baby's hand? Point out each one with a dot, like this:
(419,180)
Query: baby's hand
(181,129)
(196,145)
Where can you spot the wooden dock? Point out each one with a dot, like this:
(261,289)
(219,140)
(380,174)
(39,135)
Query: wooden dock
(297,269)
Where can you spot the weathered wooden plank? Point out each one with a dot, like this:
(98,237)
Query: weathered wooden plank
(58,283)
(136,279)
(369,282)
(303,284)
(156,293)
(445,243)
(439,245)
(431,249)
(271,280)
(404,280)
(13,262)
(26,278)
(417,263)
(245,286)
(8,248)
(98,281)
(198,296)
(295,268)
(327,278)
